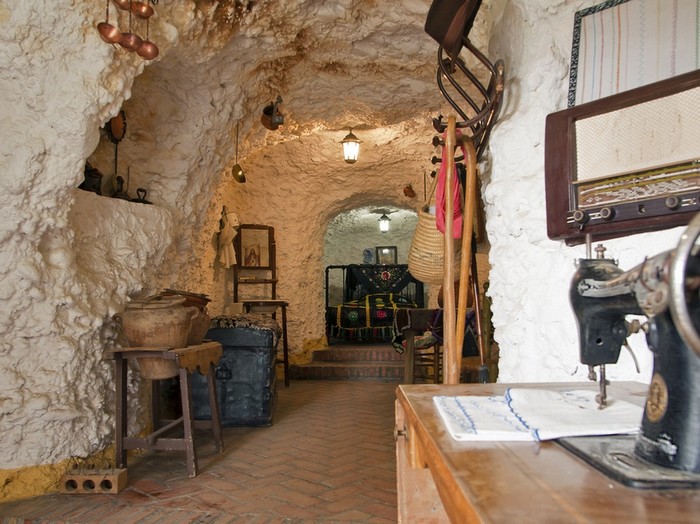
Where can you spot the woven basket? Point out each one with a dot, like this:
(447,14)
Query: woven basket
(426,257)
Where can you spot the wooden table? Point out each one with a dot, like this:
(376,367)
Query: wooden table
(203,357)
(271,306)
(442,480)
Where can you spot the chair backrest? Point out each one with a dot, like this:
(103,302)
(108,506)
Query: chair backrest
(449,23)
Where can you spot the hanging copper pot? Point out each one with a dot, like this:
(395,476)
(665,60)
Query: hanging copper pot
(122,4)
(130,41)
(142,10)
(147,50)
(108,32)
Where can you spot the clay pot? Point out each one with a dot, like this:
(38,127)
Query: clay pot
(156,368)
(159,322)
(200,326)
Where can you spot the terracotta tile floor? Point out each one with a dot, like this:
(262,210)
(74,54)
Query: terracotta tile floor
(328,457)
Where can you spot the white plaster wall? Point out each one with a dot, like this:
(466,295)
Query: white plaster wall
(54,295)
(349,234)
(530,275)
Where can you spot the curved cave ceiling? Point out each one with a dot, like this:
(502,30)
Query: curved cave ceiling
(361,64)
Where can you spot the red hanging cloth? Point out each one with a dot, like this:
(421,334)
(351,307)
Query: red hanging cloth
(456,194)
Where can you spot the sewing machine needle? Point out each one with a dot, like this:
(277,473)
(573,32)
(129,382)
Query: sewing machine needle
(602,397)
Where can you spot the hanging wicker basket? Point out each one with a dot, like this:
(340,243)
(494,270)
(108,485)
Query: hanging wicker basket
(426,257)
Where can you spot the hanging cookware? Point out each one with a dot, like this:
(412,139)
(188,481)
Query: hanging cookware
(130,41)
(109,33)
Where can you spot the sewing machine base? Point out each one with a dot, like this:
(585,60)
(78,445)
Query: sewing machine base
(614,455)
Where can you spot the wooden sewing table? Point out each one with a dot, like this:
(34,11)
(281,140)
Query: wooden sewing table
(204,357)
(440,479)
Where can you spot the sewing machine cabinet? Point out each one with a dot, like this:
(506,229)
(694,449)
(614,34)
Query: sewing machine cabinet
(442,480)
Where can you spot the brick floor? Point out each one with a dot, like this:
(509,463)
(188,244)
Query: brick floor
(328,457)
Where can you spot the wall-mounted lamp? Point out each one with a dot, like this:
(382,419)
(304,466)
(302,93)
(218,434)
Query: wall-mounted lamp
(351,147)
(384,223)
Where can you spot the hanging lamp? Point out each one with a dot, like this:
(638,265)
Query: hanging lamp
(351,147)
(384,223)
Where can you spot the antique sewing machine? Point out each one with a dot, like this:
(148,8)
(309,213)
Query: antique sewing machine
(666,289)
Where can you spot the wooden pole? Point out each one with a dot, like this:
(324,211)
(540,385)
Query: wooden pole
(452,358)
(468,226)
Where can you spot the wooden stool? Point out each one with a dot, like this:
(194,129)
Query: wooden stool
(187,360)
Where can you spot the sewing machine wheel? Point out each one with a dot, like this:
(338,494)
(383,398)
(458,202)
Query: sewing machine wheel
(684,269)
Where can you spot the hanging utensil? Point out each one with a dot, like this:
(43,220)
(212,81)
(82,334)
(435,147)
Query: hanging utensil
(130,41)
(141,9)
(116,130)
(108,32)
(147,50)
(237,170)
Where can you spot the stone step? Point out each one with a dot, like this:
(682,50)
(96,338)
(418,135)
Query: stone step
(348,370)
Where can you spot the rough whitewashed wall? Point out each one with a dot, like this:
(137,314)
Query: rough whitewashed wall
(70,260)
(58,85)
(349,234)
(530,274)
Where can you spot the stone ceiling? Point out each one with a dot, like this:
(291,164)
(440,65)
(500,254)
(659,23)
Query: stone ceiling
(364,64)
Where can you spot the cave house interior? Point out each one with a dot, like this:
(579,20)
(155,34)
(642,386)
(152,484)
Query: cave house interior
(190,139)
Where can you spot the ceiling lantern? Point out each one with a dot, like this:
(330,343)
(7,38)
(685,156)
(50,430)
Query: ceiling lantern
(384,223)
(351,147)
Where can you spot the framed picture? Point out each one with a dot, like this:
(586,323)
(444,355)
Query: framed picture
(386,255)
(620,45)
(255,246)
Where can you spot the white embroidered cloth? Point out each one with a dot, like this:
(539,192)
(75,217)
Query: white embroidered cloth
(536,414)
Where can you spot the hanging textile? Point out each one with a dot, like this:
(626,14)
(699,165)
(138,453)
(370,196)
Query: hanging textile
(440,192)
(229,222)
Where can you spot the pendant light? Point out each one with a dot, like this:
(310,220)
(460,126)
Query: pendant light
(351,147)
(237,170)
(384,223)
